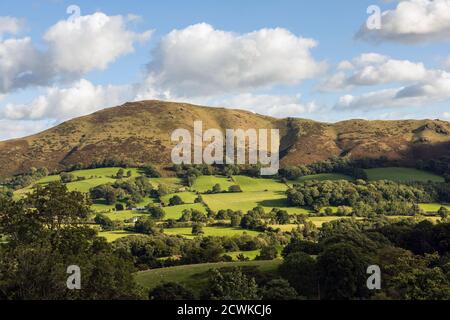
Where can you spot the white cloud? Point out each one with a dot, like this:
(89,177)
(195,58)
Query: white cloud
(435,87)
(65,103)
(446,115)
(200,60)
(10,129)
(22,65)
(10,25)
(447,62)
(267,104)
(413,21)
(74,48)
(374,69)
(90,42)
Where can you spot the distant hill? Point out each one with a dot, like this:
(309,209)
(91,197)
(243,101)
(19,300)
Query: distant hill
(139,133)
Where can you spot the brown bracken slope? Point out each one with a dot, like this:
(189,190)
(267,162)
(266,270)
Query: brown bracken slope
(139,133)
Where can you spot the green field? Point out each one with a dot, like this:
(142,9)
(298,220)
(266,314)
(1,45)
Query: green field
(249,184)
(211,231)
(174,183)
(195,277)
(324,177)
(251,255)
(125,215)
(206,183)
(187,197)
(94,177)
(402,175)
(433,207)
(249,200)
(319,221)
(114,235)
(176,212)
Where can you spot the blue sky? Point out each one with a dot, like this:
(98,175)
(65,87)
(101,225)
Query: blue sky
(399,71)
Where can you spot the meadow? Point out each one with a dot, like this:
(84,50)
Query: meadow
(267,193)
(175,212)
(206,183)
(245,201)
(211,231)
(195,277)
(249,184)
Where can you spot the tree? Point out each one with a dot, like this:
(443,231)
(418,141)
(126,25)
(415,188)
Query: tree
(234,189)
(120,173)
(231,285)
(342,272)
(278,289)
(171,291)
(45,237)
(282,217)
(66,177)
(268,253)
(119,207)
(197,229)
(300,270)
(151,172)
(175,201)
(105,222)
(145,226)
(156,213)
(129,173)
(443,212)
(216,188)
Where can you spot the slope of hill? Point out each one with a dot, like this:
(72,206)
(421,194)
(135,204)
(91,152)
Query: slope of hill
(140,132)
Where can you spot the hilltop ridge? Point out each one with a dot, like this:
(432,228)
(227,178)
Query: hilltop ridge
(139,133)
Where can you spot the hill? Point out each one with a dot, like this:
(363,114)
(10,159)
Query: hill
(139,133)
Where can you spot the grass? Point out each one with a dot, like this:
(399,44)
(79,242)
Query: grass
(114,235)
(176,212)
(249,184)
(323,177)
(211,231)
(402,175)
(432,207)
(125,215)
(249,200)
(195,277)
(418,218)
(94,177)
(251,255)
(187,197)
(86,185)
(319,221)
(174,183)
(206,183)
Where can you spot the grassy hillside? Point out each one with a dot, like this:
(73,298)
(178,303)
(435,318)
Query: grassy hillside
(139,133)
(195,276)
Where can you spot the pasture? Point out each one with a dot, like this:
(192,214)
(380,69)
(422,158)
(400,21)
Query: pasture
(195,277)
(205,183)
(187,197)
(249,184)
(211,231)
(175,212)
(433,207)
(324,177)
(245,201)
